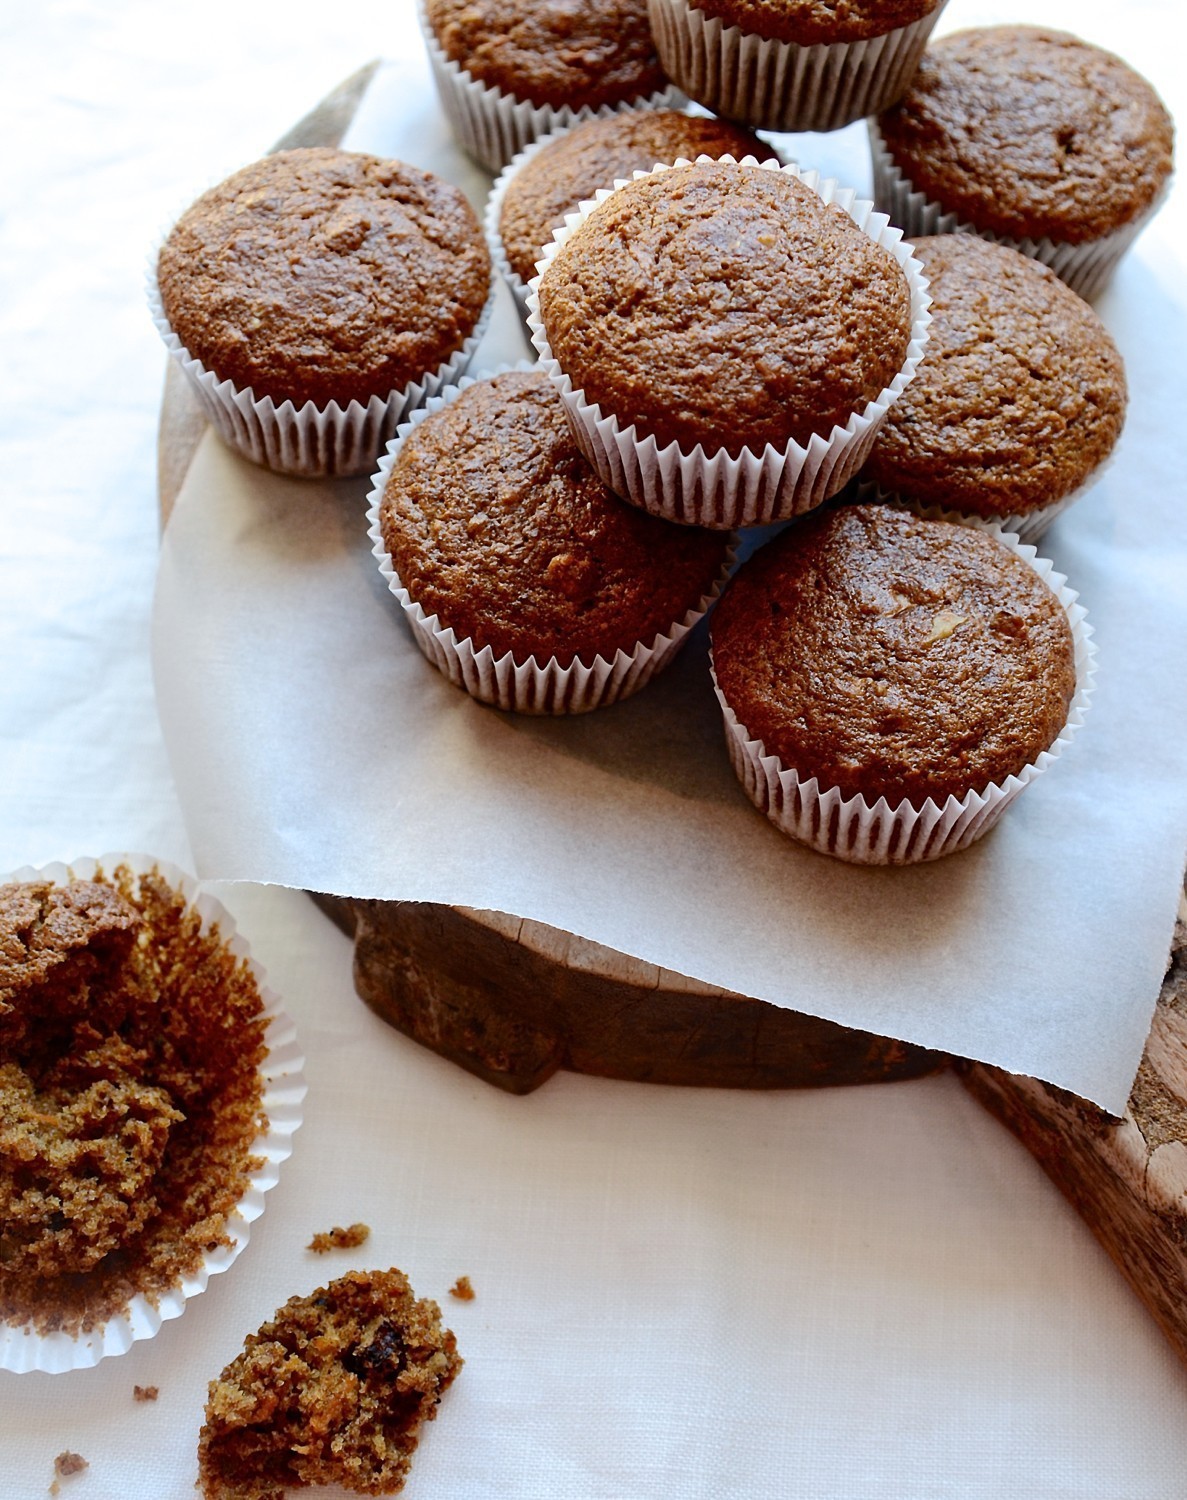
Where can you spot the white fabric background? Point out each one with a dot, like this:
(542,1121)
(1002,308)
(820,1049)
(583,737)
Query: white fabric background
(846,1294)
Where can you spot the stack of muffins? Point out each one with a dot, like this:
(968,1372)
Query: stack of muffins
(724,341)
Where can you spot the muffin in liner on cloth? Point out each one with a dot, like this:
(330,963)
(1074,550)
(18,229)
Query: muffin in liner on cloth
(525,581)
(890,683)
(1031,137)
(316,297)
(509,72)
(803,65)
(150,1084)
(1019,401)
(550,177)
(727,336)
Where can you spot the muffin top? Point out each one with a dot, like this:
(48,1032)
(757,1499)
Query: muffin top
(1028,132)
(1020,395)
(554,52)
(498,526)
(725,305)
(322,275)
(593,155)
(892,656)
(807,22)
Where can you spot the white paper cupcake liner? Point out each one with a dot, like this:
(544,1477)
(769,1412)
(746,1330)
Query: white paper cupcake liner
(782,85)
(309,442)
(760,485)
(854,830)
(1085,267)
(492,126)
(284,1090)
(529,687)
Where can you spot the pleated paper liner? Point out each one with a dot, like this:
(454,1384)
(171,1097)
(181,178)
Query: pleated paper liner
(1086,267)
(492,126)
(778,85)
(860,832)
(309,442)
(531,686)
(760,485)
(280,1114)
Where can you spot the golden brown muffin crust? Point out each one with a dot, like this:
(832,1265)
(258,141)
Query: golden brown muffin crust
(725,305)
(497,525)
(808,22)
(592,156)
(333,1389)
(554,52)
(1020,395)
(322,275)
(892,656)
(1029,132)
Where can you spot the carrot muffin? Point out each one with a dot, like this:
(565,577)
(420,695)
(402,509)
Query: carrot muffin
(130,1095)
(725,306)
(1020,396)
(332,1390)
(318,275)
(793,64)
(894,657)
(496,526)
(1027,134)
(552,181)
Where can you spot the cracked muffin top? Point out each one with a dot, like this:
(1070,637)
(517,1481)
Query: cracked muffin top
(725,305)
(893,656)
(808,22)
(323,275)
(498,526)
(1020,395)
(593,155)
(1029,132)
(552,52)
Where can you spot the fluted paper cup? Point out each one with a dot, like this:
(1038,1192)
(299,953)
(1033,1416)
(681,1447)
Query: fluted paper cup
(760,485)
(279,1115)
(531,686)
(880,833)
(782,85)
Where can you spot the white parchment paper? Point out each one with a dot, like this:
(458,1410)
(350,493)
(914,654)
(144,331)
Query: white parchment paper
(312,746)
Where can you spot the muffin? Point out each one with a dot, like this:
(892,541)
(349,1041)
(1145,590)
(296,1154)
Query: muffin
(510,72)
(891,682)
(1029,136)
(333,1389)
(795,65)
(316,296)
(742,335)
(554,174)
(526,581)
(1019,400)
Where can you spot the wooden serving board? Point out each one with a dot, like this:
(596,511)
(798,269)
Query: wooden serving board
(513,1000)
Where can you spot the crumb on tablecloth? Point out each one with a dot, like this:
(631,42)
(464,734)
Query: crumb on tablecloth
(340,1239)
(66,1463)
(145,1392)
(462,1290)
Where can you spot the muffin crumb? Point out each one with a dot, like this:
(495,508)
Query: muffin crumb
(65,1464)
(145,1392)
(462,1290)
(339,1239)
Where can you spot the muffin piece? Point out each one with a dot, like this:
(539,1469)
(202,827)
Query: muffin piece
(318,275)
(496,525)
(808,22)
(332,1390)
(1020,395)
(1030,133)
(726,306)
(594,155)
(890,656)
(584,53)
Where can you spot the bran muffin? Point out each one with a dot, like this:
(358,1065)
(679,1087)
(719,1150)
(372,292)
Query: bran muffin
(1029,135)
(330,280)
(891,657)
(1020,397)
(332,1390)
(793,64)
(559,174)
(498,528)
